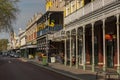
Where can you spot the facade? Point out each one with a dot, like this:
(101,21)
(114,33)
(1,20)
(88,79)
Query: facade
(54,5)
(22,41)
(14,42)
(13,39)
(22,37)
(91,34)
(31,35)
(48,24)
(46,28)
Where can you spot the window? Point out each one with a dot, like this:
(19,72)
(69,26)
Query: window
(87,1)
(34,35)
(78,4)
(74,7)
(67,11)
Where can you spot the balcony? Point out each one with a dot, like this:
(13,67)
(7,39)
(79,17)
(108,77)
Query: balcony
(50,30)
(95,5)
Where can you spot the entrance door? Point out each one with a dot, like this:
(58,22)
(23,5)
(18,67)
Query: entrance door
(109,53)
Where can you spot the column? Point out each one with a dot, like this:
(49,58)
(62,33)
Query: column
(118,44)
(76,48)
(65,57)
(70,51)
(104,56)
(83,51)
(47,47)
(93,60)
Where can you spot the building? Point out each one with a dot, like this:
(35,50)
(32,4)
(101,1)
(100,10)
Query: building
(91,33)
(14,42)
(31,36)
(48,24)
(54,5)
(22,41)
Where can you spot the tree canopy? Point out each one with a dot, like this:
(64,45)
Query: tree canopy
(3,44)
(8,12)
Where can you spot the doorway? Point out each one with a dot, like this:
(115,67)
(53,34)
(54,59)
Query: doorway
(110,53)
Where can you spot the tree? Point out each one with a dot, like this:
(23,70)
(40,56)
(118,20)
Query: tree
(3,44)
(8,11)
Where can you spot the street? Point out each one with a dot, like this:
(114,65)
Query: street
(14,69)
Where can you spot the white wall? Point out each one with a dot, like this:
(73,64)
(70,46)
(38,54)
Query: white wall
(22,41)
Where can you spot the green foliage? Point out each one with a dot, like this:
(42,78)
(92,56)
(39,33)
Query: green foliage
(3,44)
(8,10)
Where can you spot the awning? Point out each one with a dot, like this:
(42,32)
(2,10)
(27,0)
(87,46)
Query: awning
(29,46)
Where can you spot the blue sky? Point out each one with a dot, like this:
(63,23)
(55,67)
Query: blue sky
(27,9)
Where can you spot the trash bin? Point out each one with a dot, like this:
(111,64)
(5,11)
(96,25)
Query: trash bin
(44,60)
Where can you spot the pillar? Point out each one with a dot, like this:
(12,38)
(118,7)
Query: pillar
(70,50)
(46,48)
(76,48)
(118,45)
(104,56)
(65,57)
(83,51)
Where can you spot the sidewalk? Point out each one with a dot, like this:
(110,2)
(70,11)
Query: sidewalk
(77,74)
(72,71)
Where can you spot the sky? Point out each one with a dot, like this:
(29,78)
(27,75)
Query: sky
(27,10)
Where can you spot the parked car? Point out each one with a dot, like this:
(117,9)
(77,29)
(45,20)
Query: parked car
(11,54)
(16,55)
(4,54)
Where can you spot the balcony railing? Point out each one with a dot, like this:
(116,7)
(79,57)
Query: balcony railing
(49,29)
(97,4)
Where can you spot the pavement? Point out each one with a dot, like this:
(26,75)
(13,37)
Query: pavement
(72,72)
(77,74)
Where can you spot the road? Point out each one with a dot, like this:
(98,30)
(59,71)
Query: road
(14,69)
